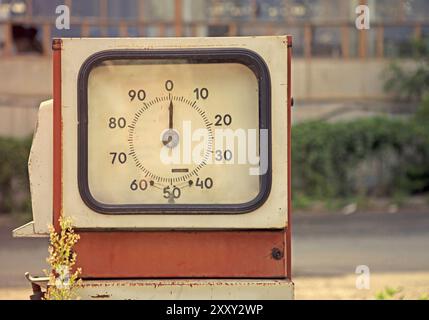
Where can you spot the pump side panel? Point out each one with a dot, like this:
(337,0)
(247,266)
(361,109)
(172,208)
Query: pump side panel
(182,254)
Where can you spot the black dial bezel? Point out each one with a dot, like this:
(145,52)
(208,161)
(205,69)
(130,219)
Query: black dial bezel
(192,56)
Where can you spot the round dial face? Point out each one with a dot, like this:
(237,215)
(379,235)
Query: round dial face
(173,134)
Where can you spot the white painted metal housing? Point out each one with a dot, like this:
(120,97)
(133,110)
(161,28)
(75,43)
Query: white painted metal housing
(271,215)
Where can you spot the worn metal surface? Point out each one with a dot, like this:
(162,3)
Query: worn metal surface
(40,169)
(224,289)
(288,230)
(272,215)
(182,254)
(40,175)
(57,139)
(27,231)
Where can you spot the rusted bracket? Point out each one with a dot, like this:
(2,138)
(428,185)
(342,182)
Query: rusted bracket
(36,284)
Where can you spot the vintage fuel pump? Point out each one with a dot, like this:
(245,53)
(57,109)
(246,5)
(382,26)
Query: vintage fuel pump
(172,157)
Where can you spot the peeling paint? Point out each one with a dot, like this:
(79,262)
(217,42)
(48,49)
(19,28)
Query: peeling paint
(188,289)
(101,296)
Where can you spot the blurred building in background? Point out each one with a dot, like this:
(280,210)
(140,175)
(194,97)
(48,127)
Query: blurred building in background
(321,28)
(333,60)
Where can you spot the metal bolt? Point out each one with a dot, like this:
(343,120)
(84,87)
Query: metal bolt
(276,253)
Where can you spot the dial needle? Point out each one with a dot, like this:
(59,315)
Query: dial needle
(169,138)
(170,115)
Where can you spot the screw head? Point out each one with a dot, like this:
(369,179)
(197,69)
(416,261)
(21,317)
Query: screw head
(276,253)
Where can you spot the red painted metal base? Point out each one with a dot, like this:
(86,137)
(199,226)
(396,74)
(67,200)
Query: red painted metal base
(182,254)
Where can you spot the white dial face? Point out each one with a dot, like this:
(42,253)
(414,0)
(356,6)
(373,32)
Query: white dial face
(171,133)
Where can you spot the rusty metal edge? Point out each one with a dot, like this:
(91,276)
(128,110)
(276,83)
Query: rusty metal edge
(57,133)
(289,155)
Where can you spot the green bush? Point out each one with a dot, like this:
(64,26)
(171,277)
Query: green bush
(374,156)
(14,187)
(422,114)
(410,83)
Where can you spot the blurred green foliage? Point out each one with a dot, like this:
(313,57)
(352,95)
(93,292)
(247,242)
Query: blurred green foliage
(389,294)
(422,114)
(14,186)
(379,156)
(367,157)
(412,82)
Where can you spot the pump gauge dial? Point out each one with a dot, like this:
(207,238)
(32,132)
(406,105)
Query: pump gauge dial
(174,131)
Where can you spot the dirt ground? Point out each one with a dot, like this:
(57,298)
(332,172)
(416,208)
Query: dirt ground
(412,286)
(15,293)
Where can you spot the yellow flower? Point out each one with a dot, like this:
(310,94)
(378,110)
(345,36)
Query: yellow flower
(62,285)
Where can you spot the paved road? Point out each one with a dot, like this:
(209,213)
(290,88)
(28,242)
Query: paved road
(324,245)
(335,244)
(19,255)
